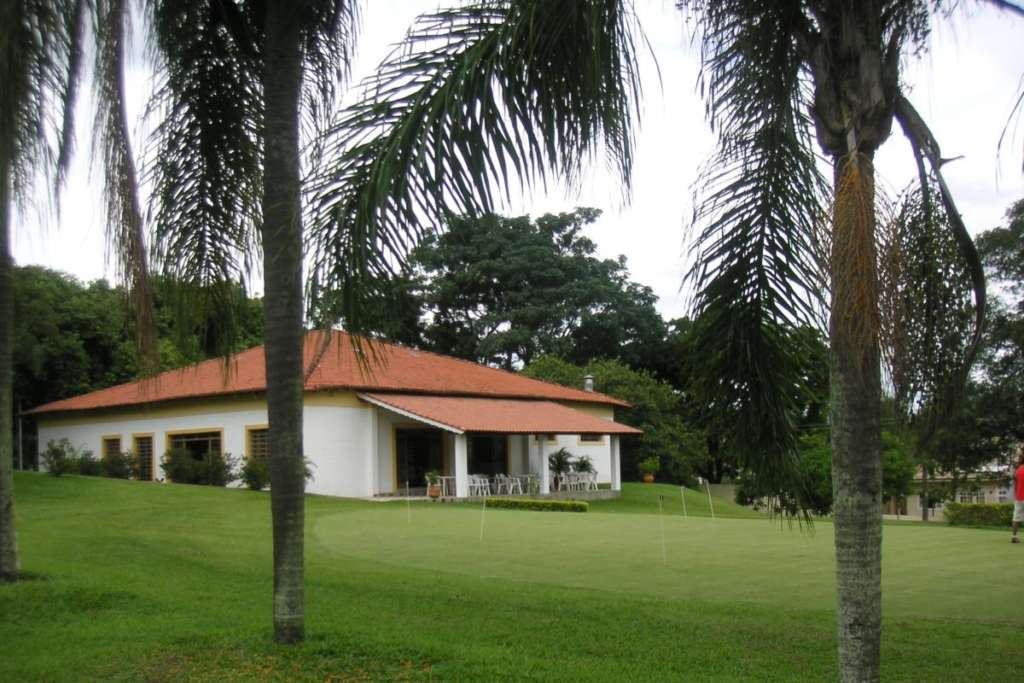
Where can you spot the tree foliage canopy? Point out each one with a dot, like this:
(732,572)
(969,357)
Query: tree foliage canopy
(503,291)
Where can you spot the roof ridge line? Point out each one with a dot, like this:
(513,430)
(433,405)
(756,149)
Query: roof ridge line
(482,365)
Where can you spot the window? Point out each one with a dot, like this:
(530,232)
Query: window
(591,438)
(198,444)
(143,449)
(550,438)
(965,497)
(979,497)
(111,446)
(1002,495)
(259,444)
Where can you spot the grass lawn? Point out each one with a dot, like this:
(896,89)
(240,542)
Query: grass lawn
(156,582)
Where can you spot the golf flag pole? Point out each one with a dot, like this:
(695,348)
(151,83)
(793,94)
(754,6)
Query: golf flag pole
(483,510)
(661,524)
(707,487)
(408,503)
(682,496)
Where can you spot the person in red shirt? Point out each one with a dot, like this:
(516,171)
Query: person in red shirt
(1018,499)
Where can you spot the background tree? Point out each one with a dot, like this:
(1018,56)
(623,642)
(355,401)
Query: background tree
(999,387)
(71,338)
(898,469)
(503,291)
(656,409)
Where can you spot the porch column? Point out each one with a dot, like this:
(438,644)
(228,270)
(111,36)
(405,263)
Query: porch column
(461,456)
(616,464)
(542,453)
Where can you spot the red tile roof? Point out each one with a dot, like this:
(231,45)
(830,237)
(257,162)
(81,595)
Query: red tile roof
(500,415)
(390,368)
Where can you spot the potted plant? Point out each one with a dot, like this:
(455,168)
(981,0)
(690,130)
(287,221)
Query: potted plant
(649,468)
(583,464)
(434,484)
(559,464)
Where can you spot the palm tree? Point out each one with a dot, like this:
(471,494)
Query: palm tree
(41,55)
(497,89)
(241,82)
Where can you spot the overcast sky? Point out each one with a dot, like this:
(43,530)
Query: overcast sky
(964,89)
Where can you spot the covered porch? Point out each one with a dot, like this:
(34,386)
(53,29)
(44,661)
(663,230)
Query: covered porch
(485,446)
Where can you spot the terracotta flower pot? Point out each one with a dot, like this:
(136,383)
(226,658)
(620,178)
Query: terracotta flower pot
(648,478)
(434,491)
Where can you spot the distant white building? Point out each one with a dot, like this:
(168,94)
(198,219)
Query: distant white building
(367,429)
(990,484)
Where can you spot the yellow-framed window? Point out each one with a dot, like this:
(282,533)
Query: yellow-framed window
(142,446)
(258,449)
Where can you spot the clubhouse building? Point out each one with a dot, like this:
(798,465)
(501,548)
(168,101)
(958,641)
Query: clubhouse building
(377,417)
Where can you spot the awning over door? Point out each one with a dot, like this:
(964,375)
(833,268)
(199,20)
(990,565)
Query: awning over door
(458,415)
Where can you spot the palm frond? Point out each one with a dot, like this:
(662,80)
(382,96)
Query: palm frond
(330,36)
(112,145)
(76,21)
(938,210)
(1016,112)
(759,203)
(930,311)
(35,53)
(204,166)
(473,97)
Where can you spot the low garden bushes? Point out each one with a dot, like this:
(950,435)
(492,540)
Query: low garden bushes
(62,457)
(117,465)
(214,469)
(538,504)
(979,514)
(256,474)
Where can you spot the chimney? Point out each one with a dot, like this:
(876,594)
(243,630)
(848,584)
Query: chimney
(588,383)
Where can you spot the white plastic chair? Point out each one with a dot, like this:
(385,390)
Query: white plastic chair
(479,485)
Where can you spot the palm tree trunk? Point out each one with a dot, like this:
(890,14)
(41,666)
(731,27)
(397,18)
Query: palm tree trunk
(8,539)
(856,422)
(283,308)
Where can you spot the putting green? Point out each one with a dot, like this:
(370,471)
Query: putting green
(933,571)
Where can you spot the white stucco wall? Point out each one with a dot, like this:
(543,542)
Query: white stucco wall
(337,434)
(350,443)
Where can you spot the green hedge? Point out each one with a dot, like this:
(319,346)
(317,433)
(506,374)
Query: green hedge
(538,504)
(979,514)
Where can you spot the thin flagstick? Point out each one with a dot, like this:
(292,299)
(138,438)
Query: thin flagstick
(483,510)
(707,487)
(408,503)
(661,523)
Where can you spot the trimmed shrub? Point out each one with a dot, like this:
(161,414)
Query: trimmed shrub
(214,469)
(979,514)
(255,474)
(117,465)
(539,504)
(61,458)
(88,465)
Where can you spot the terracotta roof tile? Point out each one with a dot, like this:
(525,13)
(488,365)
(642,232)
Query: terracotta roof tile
(500,415)
(389,367)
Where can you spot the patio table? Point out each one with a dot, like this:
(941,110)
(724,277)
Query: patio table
(447,485)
